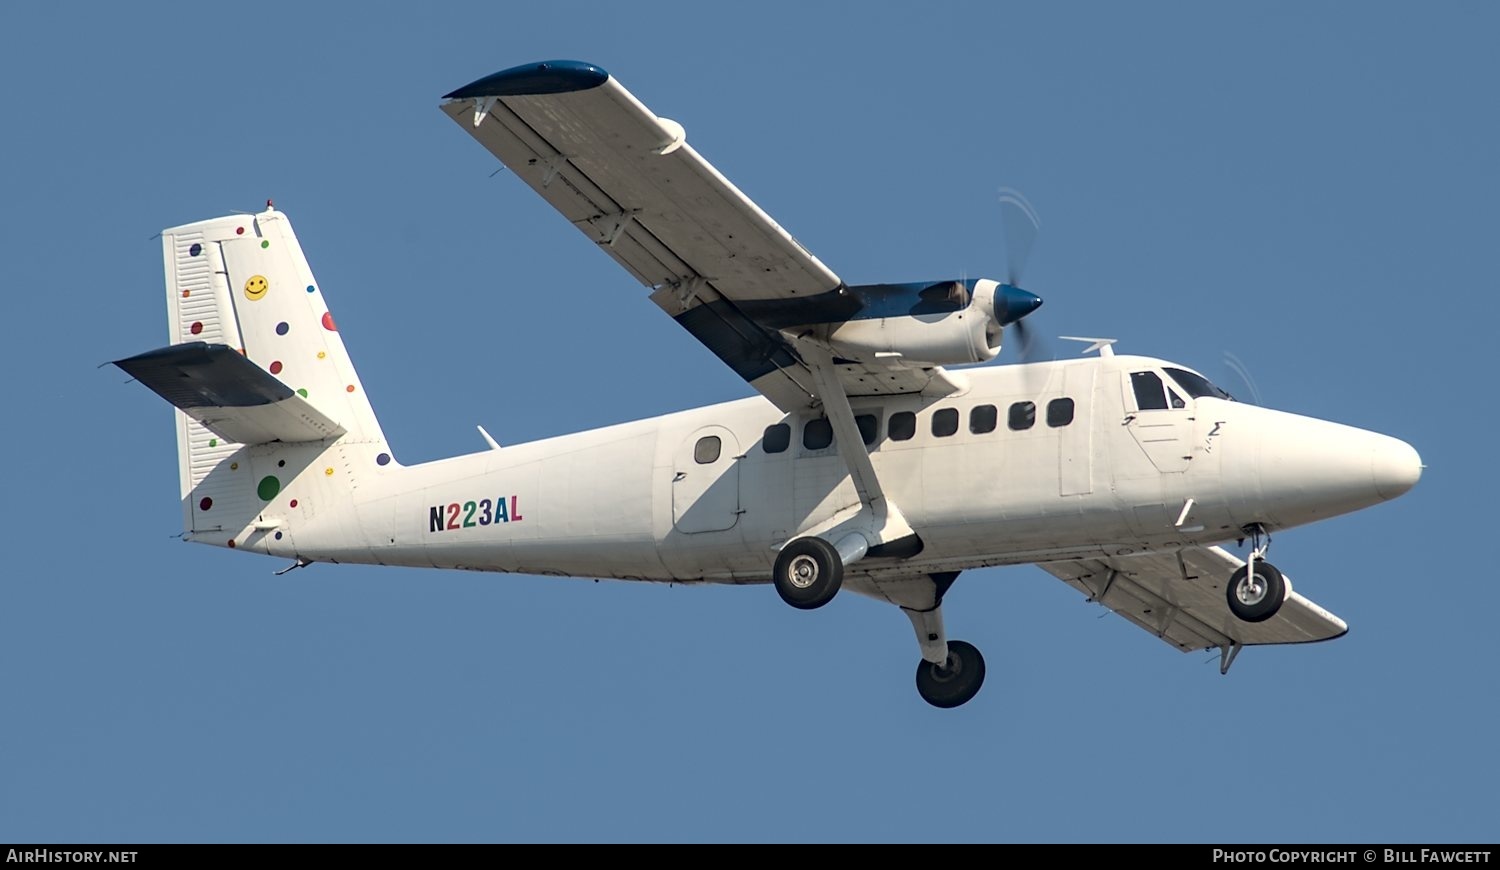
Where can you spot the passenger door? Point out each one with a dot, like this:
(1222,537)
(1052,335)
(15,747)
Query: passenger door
(706,482)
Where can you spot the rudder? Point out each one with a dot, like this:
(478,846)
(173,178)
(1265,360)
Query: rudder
(243,281)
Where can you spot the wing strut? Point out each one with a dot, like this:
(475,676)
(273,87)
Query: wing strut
(851,445)
(878,520)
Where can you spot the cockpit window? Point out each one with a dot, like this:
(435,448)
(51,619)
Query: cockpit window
(1197,386)
(1150,395)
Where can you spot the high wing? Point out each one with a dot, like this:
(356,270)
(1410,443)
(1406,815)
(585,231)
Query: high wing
(716,262)
(1179,597)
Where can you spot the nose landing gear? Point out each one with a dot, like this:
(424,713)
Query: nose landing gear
(1257,590)
(1256,596)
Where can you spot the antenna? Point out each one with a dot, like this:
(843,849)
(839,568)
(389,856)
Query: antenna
(1103,345)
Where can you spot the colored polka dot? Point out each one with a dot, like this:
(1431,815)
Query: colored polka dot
(328,471)
(268,487)
(281,463)
(205,503)
(349,389)
(195,250)
(282,328)
(213,442)
(231,543)
(292,503)
(278,536)
(186,293)
(302,393)
(239,231)
(311,289)
(196,328)
(321,354)
(265,244)
(383,459)
(276,367)
(234,466)
(328,322)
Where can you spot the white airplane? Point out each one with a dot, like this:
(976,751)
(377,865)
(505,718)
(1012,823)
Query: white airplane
(866,463)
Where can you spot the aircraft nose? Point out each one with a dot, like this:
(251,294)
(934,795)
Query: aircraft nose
(1395,466)
(1307,469)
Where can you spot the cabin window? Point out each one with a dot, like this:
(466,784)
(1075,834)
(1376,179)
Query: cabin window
(1197,386)
(1059,412)
(903,426)
(777,438)
(982,419)
(817,434)
(1022,415)
(706,451)
(944,422)
(869,427)
(1150,395)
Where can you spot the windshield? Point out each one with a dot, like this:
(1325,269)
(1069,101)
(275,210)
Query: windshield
(1197,385)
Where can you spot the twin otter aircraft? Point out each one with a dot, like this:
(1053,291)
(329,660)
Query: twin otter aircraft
(865,464)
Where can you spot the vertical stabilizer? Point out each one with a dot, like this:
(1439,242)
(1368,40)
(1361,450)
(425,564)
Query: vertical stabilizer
(242,281)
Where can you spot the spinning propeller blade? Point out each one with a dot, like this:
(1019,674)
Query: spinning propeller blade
(1019,226)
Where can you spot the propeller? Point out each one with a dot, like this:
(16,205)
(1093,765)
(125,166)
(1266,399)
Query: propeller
(1019,226)
(1251,392)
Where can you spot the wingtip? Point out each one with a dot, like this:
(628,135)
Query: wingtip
(545,77)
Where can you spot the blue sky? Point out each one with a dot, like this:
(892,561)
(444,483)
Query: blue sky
(1309,187)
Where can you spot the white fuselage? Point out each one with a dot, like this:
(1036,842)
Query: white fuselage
(654,500)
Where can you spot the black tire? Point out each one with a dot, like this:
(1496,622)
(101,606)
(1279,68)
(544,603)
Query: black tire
(808,573)
(955,683)
(1256,602)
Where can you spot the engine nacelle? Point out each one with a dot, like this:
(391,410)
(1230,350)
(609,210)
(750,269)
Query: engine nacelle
(945,323)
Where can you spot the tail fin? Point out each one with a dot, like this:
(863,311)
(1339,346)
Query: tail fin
(255,358)
(243,281)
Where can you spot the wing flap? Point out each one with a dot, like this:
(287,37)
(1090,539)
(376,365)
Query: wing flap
(1179,597)
(231,396)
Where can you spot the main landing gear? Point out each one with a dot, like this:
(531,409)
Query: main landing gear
(951,671)
(810,571)
(956,680)
(1256,591)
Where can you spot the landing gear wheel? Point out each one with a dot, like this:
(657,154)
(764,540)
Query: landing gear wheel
(954,683)
(808,573)
(1256,599)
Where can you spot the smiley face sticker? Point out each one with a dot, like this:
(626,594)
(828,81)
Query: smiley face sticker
(256,287)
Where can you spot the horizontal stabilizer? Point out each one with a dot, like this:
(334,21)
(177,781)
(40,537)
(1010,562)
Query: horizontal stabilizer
(231,396)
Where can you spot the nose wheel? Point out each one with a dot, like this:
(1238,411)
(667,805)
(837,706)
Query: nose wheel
(954,682)
(1256,591)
